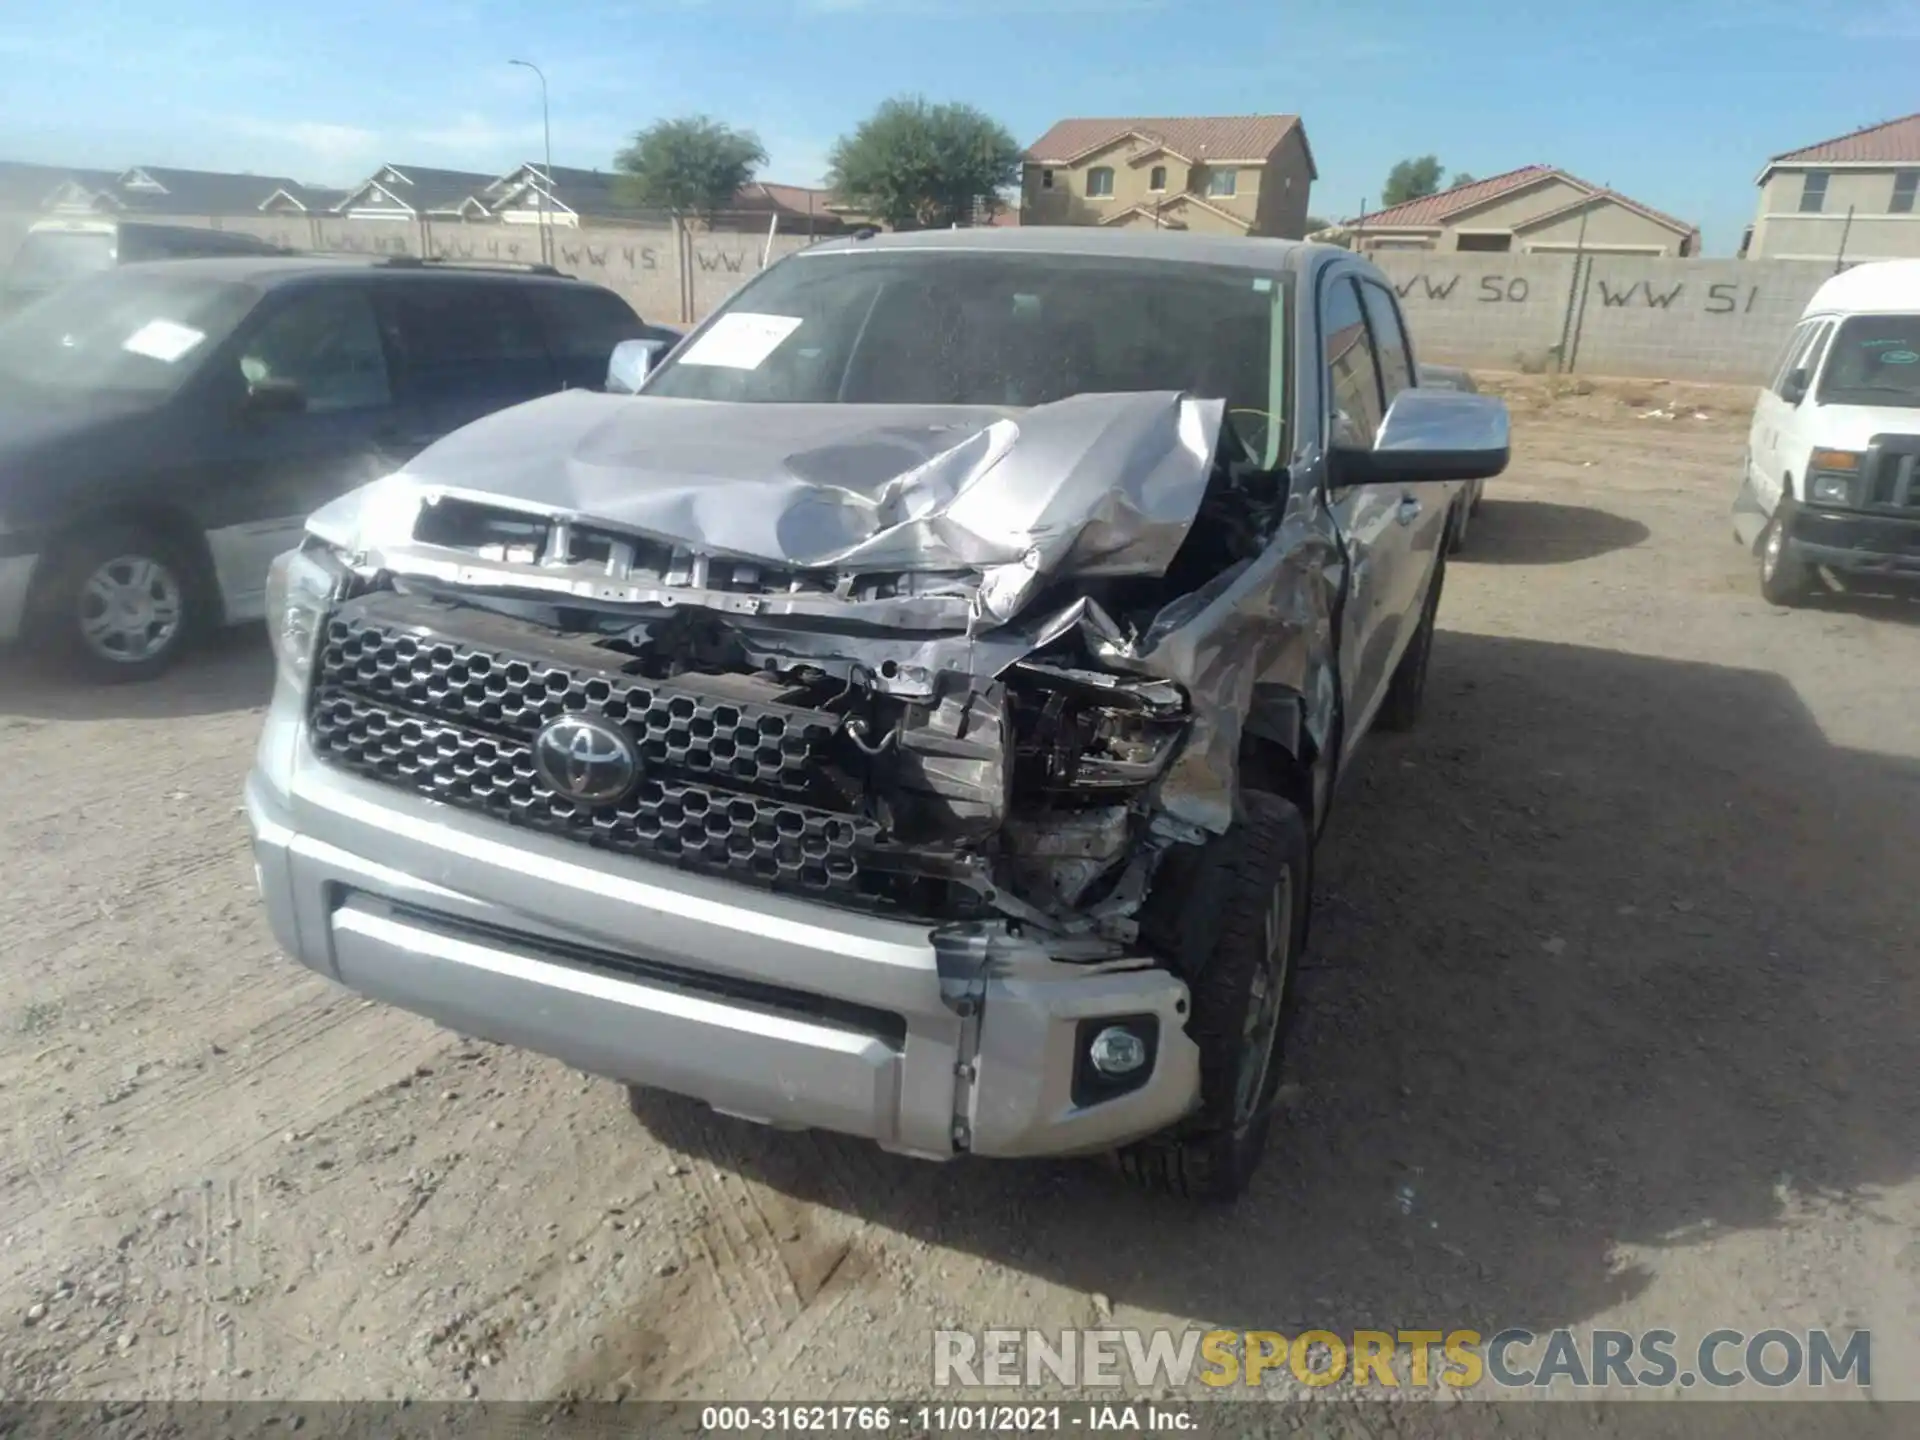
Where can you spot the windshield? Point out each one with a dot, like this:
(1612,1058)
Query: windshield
(125,331)
(1875,360)
(1007,329)
(49,258)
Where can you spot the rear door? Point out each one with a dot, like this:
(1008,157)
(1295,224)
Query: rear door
(1369,516)
(583,324)
(276,467)
(464,347)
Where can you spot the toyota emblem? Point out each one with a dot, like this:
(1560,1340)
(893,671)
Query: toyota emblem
(586,759)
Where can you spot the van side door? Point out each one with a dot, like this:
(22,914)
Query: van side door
(341,427)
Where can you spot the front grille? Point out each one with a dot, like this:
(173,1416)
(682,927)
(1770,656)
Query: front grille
(1893,474)
(446,701)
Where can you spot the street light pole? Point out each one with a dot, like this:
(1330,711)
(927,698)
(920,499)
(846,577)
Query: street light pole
(546,133)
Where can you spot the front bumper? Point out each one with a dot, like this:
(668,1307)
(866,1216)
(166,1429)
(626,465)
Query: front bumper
(16,581)
(1851,543)
(930,1042)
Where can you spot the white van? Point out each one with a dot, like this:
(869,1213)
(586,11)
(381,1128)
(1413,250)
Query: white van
(1832,482)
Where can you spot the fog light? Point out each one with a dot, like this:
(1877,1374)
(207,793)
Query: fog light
(1117,1052)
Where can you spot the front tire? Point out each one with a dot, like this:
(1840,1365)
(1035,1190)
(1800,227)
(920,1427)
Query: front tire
(1784,580)
(1231,918)
(119,605)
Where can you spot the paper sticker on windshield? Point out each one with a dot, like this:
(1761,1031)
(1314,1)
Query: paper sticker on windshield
(163,340)
(740,340)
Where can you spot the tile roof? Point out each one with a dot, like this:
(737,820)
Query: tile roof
(1893,141)
(1433,211)
(1601,192)
(1217,137)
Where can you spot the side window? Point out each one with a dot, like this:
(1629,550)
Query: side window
(584,322)
(460,341)
(1389,341)
(1790,357)
(1353,373)
(1798,352)
(327,342)
(1816,350)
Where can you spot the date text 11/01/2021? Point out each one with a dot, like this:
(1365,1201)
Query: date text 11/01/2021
(942,1419)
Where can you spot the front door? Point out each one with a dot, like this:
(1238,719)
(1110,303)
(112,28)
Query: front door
(1375,520)
(337,424)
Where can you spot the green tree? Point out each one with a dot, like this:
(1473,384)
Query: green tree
(1411,179)
(691,166)
(1314,223)
(916,165)
(1459,178)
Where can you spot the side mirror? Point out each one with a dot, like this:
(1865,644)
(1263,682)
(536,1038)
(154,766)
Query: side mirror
(632,362)
(276,397)
(1794,388)
(1429,435)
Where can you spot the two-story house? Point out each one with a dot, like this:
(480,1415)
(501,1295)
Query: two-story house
(1846,199)
(1226,175)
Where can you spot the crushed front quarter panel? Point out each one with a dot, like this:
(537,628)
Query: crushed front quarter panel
(1091,486)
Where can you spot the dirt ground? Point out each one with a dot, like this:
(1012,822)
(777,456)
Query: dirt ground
(1610,1021)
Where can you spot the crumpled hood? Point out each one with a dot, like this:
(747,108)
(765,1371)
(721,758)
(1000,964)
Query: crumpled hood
(1094,484)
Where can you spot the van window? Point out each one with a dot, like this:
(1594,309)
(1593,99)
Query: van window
(468,341)
(325,341)
(1796,349)
(584,322)
(50,258)
(1875,361)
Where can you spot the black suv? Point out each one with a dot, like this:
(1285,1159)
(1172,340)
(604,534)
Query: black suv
(166,428)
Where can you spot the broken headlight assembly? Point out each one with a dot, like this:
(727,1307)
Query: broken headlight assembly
(302,585)
(1085,733)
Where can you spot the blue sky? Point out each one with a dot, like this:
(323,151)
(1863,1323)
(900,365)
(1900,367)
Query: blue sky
(1675,102)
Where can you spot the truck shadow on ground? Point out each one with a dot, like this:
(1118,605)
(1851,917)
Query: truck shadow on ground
(1601,960)
(233,670)
(1544,532)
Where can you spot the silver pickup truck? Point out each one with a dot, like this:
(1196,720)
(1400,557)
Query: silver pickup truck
(907,708)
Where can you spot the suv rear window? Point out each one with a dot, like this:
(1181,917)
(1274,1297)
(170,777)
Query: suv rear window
(584,322)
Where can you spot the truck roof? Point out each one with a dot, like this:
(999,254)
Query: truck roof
(1144,244)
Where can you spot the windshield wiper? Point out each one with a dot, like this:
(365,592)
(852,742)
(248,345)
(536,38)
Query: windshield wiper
(1905,392)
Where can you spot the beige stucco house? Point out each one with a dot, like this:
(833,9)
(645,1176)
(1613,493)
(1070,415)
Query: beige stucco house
(1231,175)
(1537,208)
(1850,198)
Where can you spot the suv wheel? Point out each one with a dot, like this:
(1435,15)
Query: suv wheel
(119,605)
(1784,580)
(1407,690)
(1231,918)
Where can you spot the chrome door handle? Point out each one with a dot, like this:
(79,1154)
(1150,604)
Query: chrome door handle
(1409,510)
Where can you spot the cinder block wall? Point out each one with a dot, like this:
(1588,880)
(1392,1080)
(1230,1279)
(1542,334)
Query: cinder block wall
(665,276)
(1619,315)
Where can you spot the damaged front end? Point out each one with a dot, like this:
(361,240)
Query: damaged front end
(956,666)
